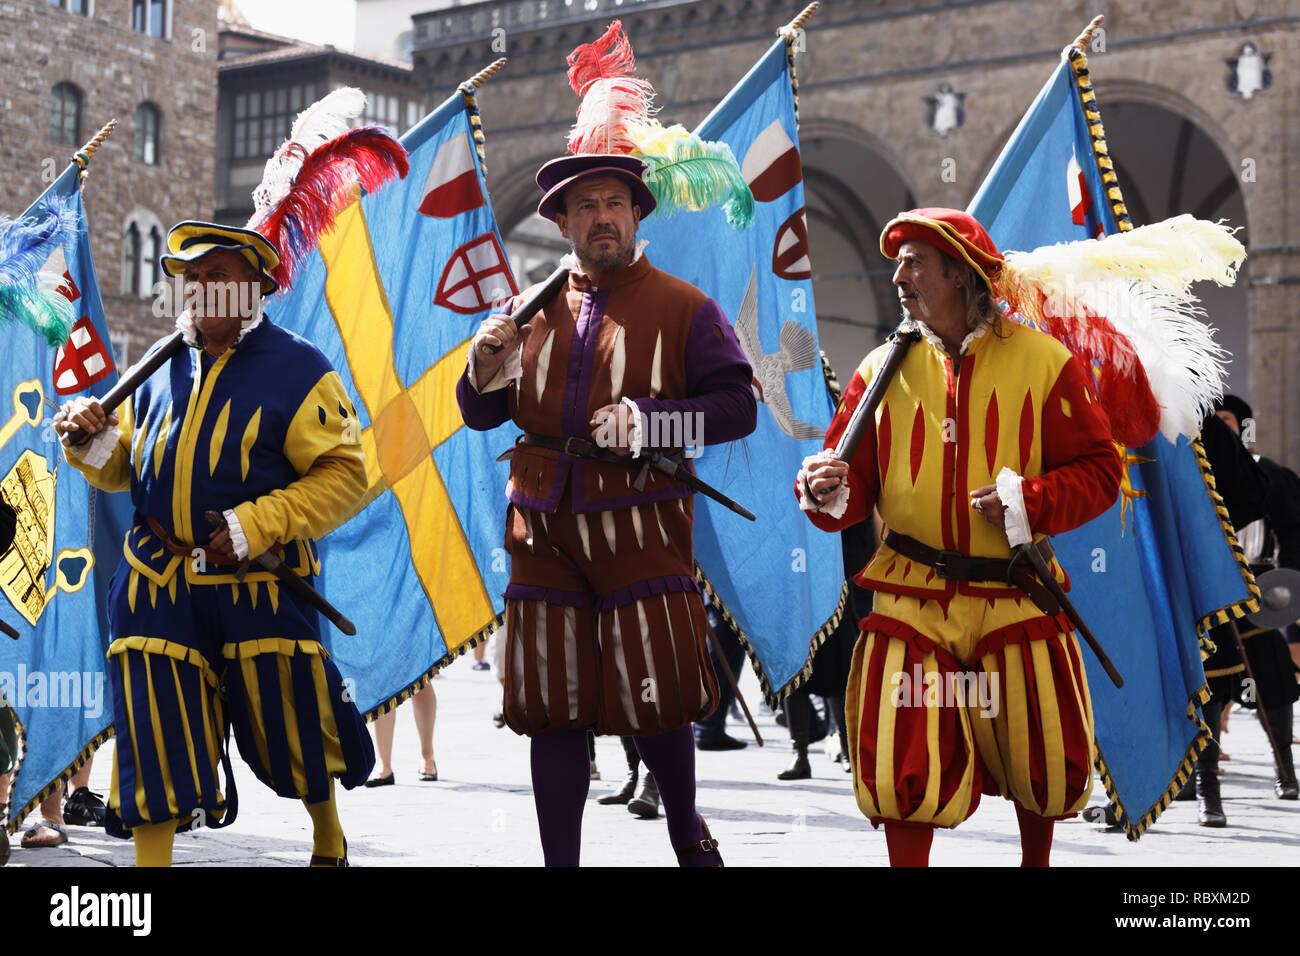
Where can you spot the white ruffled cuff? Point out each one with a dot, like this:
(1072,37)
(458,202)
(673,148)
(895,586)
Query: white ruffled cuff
(237,539)
(511,370)
(637,434)
(1015,518)
(833,507)
(96,452)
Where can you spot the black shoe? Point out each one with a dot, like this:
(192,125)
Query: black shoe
(84,809)
(646,803)
(798,770)
(720,741)
(625,794)
(1103,814)
(1286,789)
(380,781)
(1209,806)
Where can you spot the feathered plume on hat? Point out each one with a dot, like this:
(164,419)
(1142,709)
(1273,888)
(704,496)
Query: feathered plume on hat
(314,175)
(1123,306)
(617,116)
(27,293)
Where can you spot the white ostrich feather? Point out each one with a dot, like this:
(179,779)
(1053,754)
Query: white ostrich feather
(1141,282)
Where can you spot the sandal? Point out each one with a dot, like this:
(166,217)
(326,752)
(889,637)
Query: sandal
(705,846)
(29,840)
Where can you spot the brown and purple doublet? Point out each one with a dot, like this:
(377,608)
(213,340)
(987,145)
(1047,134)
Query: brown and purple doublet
(606,627)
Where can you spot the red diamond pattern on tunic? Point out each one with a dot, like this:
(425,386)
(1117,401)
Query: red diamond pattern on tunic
(883,438)
(1026,431)
(918,442)
(991,431)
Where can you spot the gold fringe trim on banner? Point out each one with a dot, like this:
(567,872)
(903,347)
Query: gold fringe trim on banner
(1239,608)
(774,697)
(1179,780)
(789,33)
(16,817)
(467,91)
(1101,153)
(421,682)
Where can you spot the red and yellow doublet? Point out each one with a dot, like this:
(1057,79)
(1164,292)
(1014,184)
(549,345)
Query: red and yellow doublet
(962,687)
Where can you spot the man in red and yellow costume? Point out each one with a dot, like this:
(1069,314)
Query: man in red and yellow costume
(989,434)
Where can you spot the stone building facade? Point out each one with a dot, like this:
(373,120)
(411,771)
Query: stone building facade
(905,104)
(66,68)
(266,80)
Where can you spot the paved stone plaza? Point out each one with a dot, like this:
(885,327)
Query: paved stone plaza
(480,812)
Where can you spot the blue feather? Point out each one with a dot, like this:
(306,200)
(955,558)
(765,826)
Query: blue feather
(25,246)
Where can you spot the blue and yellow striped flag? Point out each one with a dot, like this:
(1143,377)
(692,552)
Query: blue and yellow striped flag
(391,297)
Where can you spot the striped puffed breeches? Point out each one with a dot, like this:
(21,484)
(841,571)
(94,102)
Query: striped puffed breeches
(190,661)
(983,696)
(605,626)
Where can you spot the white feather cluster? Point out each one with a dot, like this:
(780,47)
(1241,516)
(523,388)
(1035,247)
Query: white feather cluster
(1140,281)
(327,118)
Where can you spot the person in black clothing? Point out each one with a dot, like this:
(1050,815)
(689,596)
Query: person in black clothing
(1268,529)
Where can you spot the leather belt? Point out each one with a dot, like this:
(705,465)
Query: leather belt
(186,551)
(957,566)
(585,448)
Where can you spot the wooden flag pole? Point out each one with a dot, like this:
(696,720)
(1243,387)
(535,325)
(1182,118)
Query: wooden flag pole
(83,156)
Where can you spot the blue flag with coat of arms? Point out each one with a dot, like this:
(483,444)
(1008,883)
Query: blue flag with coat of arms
(68,542)
(392,296)
(780,578)
(1157,569)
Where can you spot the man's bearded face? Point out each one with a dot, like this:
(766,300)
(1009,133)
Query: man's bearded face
(600,222)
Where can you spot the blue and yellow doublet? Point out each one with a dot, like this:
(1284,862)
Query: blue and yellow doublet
(268,430)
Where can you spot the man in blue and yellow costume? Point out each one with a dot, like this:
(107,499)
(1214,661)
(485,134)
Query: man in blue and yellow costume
(968,677)
(252,422)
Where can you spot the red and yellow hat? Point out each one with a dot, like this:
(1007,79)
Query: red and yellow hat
(948,230)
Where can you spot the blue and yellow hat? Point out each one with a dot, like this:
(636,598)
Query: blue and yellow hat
(192,240)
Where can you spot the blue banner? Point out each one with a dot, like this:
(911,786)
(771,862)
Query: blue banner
(392,297)
(1158,565)
(780,577)
(55,576)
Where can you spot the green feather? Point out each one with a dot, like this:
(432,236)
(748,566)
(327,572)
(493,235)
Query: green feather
(41,306)
(693,174)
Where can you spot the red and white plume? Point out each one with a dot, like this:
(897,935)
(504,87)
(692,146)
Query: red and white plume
(614,103)
(315,174)
(1123,306)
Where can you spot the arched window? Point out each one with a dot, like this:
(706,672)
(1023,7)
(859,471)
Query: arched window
(131,260)
(150,269)
(65,114)
(148,121)
(142,244)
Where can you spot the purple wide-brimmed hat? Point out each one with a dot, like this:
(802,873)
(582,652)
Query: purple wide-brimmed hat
(559,174)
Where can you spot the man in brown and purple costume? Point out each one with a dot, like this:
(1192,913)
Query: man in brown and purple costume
(606,628)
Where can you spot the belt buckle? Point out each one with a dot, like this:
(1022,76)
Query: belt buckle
(941,564)
(568,450)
